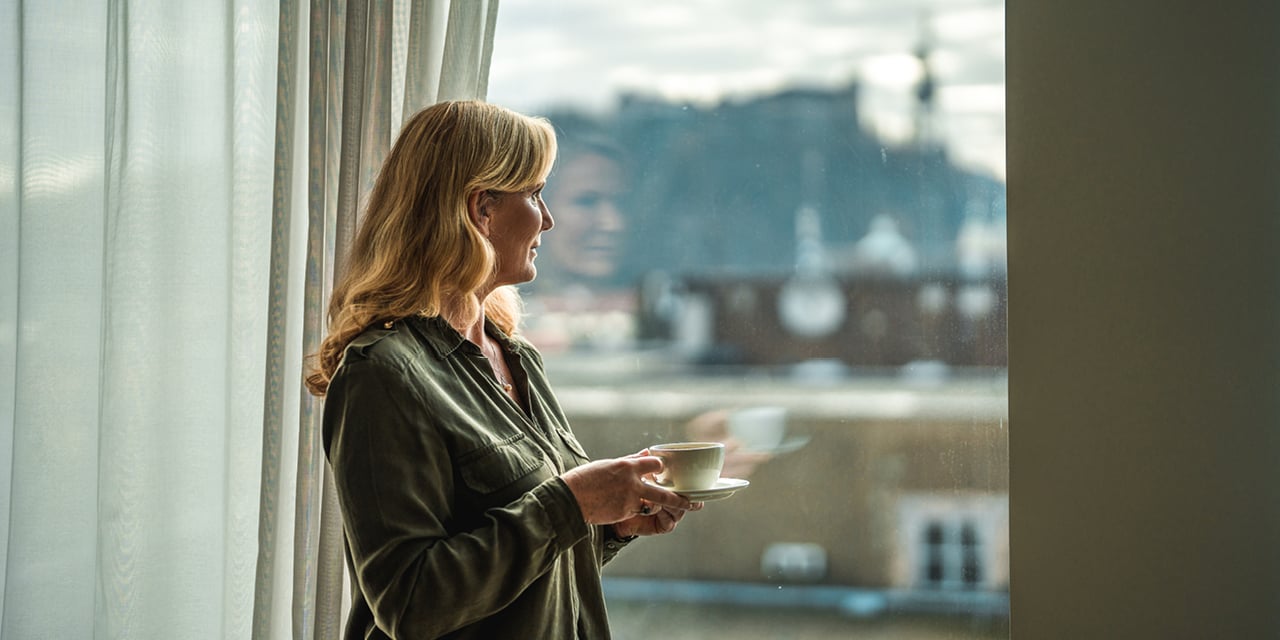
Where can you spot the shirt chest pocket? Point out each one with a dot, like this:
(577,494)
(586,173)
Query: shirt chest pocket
(505,468)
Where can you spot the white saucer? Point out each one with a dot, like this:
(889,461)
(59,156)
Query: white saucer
(723,488)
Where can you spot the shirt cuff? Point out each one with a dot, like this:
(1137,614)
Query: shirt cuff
(613,541)
(563,511)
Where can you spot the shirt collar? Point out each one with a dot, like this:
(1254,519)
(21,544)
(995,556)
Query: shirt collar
(438,334)
(444,339)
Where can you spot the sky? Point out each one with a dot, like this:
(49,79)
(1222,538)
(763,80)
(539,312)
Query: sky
(584,52)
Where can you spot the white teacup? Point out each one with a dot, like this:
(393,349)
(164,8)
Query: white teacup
(689,466)
(759,428)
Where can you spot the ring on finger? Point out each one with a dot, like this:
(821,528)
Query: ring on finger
(645,508)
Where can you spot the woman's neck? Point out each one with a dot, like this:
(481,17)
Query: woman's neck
(473,331)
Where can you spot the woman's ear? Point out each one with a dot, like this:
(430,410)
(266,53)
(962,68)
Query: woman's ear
(479,203)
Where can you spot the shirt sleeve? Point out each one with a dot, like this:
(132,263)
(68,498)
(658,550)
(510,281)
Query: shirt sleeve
(611,544)
(395,484)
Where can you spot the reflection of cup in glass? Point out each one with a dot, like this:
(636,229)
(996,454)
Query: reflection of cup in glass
(689,466)
(759,428)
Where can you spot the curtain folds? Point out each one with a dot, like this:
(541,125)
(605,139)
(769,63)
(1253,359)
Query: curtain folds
(177,183)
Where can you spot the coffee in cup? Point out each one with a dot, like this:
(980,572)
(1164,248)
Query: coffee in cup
(689,466)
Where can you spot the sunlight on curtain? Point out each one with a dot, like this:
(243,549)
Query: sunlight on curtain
(9,109)
(162,254)
(142,174)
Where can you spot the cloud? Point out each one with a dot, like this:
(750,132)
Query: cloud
(556,52)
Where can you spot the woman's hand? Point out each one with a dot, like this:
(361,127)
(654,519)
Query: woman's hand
(614,491)
(663,520)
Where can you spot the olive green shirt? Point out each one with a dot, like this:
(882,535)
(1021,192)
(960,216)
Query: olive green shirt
(456,522)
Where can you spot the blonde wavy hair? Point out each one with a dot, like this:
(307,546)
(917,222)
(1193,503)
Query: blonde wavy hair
(416,250)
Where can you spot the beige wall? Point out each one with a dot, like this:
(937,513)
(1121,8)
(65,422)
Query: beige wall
(1144,303)
(840,491)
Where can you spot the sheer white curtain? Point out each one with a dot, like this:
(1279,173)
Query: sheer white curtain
(175,178)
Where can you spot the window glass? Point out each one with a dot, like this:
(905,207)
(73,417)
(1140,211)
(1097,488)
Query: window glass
(780,226)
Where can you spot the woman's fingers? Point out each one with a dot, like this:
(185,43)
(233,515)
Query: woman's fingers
(644,464)
(659,521)
(665,521)
(609,491)
(663,498)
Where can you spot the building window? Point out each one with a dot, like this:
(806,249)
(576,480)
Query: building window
(951,543)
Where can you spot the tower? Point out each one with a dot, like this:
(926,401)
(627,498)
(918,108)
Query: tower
(927,135)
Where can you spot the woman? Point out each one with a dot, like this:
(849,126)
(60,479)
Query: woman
(469,508)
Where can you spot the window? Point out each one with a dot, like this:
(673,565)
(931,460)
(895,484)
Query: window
(952,542)
(782,227)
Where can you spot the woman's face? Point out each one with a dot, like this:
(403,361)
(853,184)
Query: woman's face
(585,199)
(517,221)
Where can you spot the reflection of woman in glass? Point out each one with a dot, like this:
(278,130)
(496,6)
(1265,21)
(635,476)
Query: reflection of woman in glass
(578,300)
(469,508)
(585,196)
